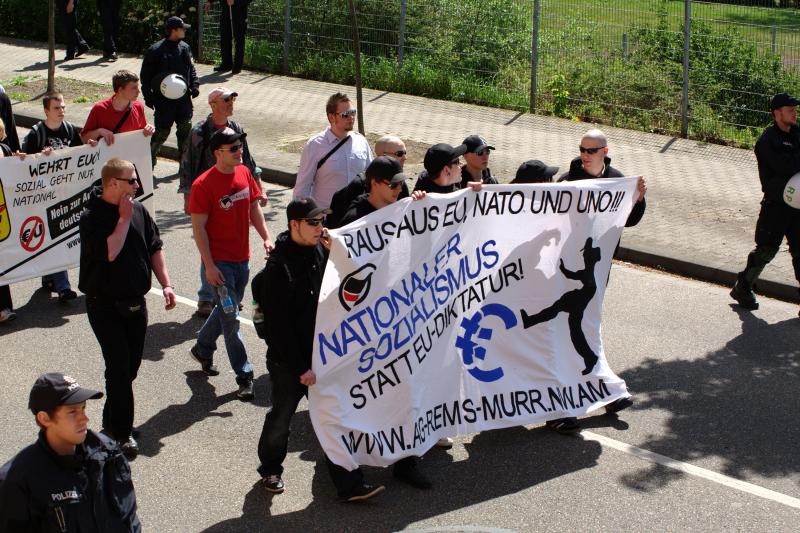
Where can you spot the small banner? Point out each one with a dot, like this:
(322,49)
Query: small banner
(41,199)
(465,312)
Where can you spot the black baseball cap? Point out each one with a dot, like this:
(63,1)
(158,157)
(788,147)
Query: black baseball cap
(535,171)
(304,208)
(54,389)
(384,168)
(224,136)
(475,143)
(782,100)
(440,155)
(174,23)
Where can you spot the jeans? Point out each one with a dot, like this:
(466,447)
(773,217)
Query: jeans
(206,291)
(220,322)
(287,391)
(59,281)
(121,340)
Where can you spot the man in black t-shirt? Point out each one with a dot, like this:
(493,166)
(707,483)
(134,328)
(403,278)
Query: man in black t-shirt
(54,133)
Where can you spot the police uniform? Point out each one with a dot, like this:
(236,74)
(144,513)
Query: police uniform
(778,157)
(161,59)
(239,24)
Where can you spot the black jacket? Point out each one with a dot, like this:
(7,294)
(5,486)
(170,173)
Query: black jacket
(129,275)
(91,491)
(486,177)
(425,183)
(778,157)
(167,57)
(7,116)
(343,199)
(288,298)
(360,207)
(577,172)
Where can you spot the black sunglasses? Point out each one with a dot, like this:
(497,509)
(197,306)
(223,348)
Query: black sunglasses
(130,181)
(349,113)
(314,221)
(590,151)
(399,153)
(482,151)
(233,148)
(391,185)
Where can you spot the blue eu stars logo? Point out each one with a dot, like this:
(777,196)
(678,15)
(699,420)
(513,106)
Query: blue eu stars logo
(470,347)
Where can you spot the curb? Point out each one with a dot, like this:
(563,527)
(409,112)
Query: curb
(708,273)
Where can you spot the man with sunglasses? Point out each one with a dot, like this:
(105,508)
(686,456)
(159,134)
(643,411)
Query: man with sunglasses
(288,297)
(442,172)
(120,249)
(197,158)
(389,146)
(223,204)
(476,160)
(594,163)
(333,157)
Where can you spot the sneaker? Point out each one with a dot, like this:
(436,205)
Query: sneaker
(66,295)
(113,57)
(204,308)
(206,363)
(130,448)
(273,483)
(7,315)
(564,426)
(413,477)
(744,296)
(445,443)
(246,393)
(363,492)
(619,405)
(82,50)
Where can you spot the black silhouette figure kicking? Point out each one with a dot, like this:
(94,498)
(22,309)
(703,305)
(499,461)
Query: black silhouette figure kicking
(574,304)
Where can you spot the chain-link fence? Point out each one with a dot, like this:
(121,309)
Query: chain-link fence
(702,69)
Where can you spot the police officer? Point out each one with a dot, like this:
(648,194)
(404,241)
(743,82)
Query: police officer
(169,56)
(778,157)
(233,17)
(71,479)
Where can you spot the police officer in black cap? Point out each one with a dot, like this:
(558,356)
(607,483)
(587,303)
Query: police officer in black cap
(71,479)
(169,82)
(778,157)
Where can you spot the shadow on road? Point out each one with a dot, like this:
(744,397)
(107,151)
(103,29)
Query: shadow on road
(500,462)
(756,374)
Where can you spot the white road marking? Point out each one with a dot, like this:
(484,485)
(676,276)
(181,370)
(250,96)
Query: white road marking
(693,470)
(646,455)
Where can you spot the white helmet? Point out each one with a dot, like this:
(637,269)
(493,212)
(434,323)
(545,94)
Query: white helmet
(173,86)
(791,193)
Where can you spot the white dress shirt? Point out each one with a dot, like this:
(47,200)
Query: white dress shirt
(339,170)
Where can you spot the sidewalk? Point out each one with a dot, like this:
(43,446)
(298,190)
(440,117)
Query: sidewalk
(702,199)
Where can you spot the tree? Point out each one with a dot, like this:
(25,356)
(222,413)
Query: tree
(51,45)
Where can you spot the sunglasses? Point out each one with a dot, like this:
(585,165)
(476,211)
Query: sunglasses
(456,162)
(313,221)
(234,148)
(399,153)
(482,152)
(128,181)
(230,98)
(391,185)
(349,113)
(590,151)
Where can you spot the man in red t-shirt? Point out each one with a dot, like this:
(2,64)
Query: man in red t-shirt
(223,204)
(118,114)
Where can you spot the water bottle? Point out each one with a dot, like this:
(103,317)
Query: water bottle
(225,299)
(258,320)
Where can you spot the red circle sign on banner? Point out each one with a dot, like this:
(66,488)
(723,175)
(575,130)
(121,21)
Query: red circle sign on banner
(31,234)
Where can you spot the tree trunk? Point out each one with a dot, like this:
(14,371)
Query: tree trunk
(51,45)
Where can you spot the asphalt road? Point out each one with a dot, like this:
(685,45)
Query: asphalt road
(710,445)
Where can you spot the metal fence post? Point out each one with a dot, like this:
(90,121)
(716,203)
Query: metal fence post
(687,18)
(401,39)
(624,46)
(200,28)
(357,54)
(774,40)
(287,35)
(534,54)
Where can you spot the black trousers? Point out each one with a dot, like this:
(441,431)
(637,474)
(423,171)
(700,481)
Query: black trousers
(69,22)
(287,391)
(5,298)
(777,220)
(239,12)
(121,339)
(109,18)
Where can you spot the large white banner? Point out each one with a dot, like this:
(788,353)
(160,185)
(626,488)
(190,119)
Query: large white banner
(41,199)
(465,312)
